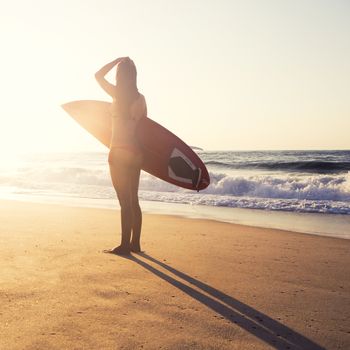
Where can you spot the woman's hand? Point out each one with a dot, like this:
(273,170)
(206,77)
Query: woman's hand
(121,59)
(106,68)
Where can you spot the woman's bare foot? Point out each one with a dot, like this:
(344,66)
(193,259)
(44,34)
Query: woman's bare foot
(120,250)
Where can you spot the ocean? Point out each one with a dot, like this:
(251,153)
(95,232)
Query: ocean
(243,184)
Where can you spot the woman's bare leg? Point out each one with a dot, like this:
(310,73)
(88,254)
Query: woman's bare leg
(136,210)
(122,184)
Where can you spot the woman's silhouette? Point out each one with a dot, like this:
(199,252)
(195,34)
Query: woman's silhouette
(125,156)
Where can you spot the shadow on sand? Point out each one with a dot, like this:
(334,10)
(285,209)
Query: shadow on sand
(260,325)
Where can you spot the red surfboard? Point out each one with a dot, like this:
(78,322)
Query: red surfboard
(165,155)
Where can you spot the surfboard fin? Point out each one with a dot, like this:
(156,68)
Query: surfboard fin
(184,172)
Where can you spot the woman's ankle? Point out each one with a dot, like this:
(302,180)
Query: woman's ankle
(135,246)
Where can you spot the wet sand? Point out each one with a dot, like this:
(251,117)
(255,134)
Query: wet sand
(200,284)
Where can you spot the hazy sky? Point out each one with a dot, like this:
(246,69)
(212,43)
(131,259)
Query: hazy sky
(263,74)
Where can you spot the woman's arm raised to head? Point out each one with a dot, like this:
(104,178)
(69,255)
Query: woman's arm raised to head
(100,76)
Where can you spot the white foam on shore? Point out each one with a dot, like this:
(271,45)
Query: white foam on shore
(317,193)
(330,225)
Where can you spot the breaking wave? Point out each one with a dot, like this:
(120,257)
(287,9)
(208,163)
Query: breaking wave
(308,186)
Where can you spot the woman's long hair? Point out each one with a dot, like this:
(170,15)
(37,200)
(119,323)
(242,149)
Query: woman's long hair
(126,88)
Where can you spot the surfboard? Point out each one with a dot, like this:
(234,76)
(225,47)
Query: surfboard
(165,155)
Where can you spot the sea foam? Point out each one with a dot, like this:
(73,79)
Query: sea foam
(87,176)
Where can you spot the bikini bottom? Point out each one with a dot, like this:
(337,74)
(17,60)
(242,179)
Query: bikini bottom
(125,155)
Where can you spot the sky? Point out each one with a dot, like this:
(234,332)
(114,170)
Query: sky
(222,75)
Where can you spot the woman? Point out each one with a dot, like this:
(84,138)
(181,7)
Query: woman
(125,156)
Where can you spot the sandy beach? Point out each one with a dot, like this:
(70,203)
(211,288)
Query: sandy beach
(199,284)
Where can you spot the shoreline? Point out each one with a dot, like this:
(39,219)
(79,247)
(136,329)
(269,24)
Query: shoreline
(328,225)
(200,284)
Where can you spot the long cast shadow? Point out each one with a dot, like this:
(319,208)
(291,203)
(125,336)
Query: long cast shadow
(253,321)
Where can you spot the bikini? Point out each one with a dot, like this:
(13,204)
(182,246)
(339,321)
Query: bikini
(130,148)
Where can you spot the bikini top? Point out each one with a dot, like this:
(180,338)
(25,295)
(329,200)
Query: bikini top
(138,109)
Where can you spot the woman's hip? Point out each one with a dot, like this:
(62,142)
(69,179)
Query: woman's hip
(129,156)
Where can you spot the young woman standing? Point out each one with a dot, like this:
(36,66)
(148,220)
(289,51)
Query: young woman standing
(125,155)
